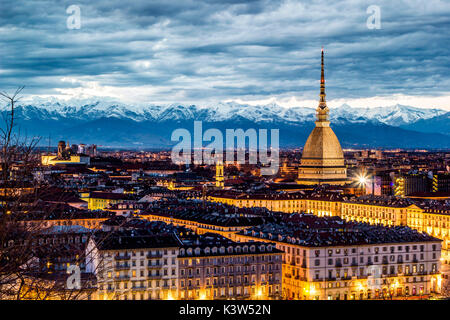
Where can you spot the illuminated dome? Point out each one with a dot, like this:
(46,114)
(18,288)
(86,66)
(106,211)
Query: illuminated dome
(322,143)
(322,158)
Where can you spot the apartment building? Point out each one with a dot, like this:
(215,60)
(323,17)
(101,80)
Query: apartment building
(328,258)
(431,217)
(213,267)
(132,266)
(435,221)
(141,264)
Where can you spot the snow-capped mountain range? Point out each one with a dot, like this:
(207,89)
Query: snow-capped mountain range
(108,122)
(396,115)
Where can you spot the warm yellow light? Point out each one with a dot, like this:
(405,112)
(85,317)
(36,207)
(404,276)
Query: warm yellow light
(259,293)
(362,179)
(202,296)
(169,296)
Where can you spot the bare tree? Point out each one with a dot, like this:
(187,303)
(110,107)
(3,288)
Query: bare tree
(24,222)
(20,276)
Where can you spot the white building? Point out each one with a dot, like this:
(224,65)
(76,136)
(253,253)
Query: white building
(131,267)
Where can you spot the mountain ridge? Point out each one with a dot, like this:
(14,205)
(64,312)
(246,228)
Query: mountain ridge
(117,124)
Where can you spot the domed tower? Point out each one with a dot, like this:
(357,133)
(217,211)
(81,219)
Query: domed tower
(322,158)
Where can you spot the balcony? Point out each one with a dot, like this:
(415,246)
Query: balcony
(317,280)
(154,256)
(154,266)
(124,257)
(122,267)
(138,288)
(279,281)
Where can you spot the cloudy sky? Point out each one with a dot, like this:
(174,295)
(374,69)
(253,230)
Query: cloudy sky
(250,51)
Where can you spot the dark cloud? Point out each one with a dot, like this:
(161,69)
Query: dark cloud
(202,50)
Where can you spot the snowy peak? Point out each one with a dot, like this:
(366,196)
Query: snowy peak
(396,115)
(92,109)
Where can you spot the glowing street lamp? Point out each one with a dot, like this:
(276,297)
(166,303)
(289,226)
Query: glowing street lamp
(361,180)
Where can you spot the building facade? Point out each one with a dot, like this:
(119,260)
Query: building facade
(230,271)
(134,268)
(337,269)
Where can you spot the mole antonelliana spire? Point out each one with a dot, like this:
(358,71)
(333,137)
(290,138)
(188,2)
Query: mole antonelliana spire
(322,158)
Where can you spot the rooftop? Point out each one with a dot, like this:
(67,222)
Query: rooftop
(311,231)
(208,212)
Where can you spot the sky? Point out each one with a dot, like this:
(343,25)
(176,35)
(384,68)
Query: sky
(259,51)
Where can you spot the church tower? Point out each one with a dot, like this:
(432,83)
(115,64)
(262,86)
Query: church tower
(322,158)
(220,180)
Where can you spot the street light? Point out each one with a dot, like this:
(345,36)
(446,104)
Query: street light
(362,179)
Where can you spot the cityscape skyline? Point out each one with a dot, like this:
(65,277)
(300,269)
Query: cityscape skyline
(237,151)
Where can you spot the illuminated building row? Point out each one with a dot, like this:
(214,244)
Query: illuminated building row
(165,267)
(397,212)
(356,271)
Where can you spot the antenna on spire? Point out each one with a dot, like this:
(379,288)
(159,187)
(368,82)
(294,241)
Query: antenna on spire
(322,110)
(322,81)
